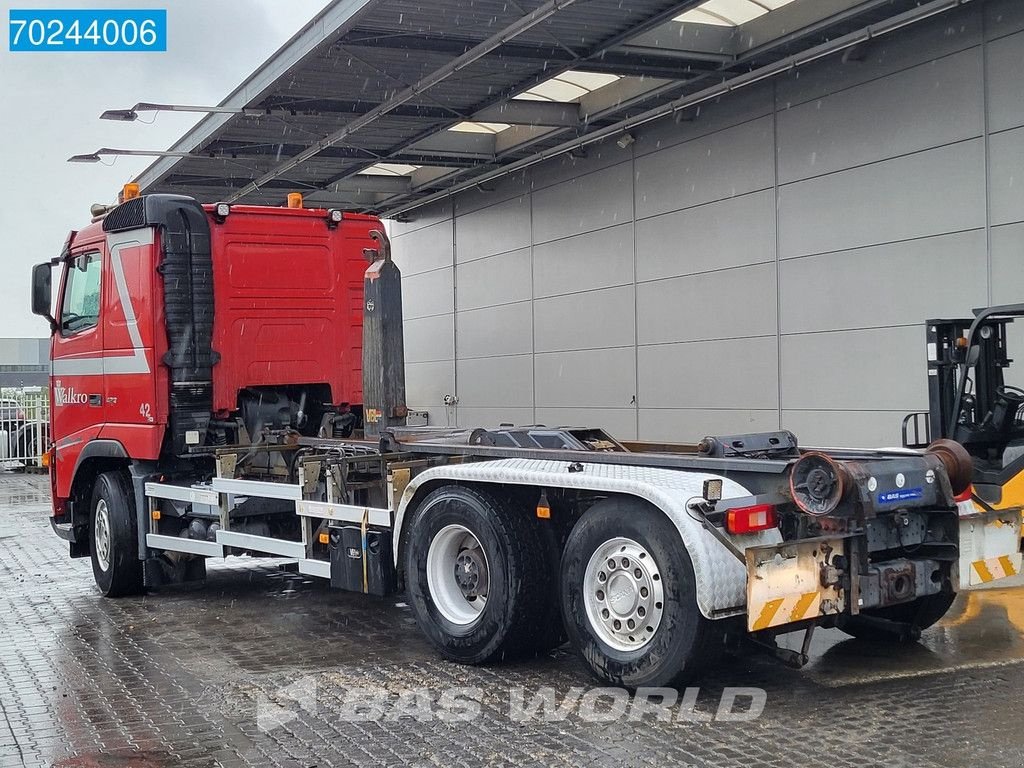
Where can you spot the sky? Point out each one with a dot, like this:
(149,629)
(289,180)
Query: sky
(50,110)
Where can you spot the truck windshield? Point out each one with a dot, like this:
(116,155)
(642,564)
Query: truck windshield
(80,309)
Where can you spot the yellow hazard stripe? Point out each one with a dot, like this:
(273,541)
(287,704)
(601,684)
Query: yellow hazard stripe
(784,610)
(1007,563)
(768,613)
(802,606)
(981,568)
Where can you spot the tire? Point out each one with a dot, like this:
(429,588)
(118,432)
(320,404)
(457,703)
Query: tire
(462,526)
(920,614)
(113,537)
(672,641)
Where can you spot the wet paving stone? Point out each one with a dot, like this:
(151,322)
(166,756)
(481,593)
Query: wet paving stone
(265,667)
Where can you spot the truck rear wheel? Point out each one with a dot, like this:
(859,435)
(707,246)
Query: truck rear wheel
(918,614)
(476,575)
(113,531)
(629,598)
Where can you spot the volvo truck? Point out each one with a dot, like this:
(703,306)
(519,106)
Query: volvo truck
(229,379)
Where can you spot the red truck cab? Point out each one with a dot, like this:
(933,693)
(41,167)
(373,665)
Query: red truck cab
(179,326)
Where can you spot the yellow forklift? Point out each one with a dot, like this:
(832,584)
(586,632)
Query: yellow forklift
(970,402)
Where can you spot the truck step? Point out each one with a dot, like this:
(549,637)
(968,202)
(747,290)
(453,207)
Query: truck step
(265,544)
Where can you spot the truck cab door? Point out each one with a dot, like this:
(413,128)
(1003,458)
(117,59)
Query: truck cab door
(77,364)
(132,407)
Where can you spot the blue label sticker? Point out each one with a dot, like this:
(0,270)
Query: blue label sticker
(904,494)
(55,31)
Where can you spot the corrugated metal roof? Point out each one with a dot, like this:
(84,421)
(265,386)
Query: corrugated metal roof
(338,98)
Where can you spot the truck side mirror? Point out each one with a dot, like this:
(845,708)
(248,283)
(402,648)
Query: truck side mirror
(42,293)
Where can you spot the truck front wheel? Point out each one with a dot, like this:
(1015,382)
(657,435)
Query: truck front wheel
(629,598)
(477,578)
(114,537)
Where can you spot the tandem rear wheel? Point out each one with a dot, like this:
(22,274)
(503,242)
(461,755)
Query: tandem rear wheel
(629,598)
(478,577)
(113,532)
(483,587)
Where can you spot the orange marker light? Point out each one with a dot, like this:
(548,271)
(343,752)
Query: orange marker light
(156,514)
(543,509)
(130,191)
(325,538)
(294,199)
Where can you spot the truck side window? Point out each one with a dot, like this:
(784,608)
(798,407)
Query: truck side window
(80,309)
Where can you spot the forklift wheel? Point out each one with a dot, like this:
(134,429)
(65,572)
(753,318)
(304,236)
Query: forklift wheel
(629,598)
(114,538)
(913,616)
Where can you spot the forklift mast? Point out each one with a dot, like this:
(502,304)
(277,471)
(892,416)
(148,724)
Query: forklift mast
(968,399)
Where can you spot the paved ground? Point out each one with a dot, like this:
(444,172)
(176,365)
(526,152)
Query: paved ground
(263,667)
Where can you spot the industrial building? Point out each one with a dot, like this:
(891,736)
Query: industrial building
(24,362)
(664,219)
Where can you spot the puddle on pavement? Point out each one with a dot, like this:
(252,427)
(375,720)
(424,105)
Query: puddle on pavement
(128,759)
(983,628)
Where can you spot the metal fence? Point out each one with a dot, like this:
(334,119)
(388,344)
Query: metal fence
(24,426)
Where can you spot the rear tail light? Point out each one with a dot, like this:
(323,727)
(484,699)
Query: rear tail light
(966,495)
(759,517)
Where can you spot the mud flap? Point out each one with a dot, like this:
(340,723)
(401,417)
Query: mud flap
(787,582)
(989,547)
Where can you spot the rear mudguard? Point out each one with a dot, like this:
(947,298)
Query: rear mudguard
(720,577)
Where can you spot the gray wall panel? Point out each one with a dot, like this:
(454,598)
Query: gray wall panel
(727,233)
(515,185)
(689,425)
(955,32)
(885,284)
(705,119)
(429,293)
(724,164)
(712,305)
(495,280)
(729,374)
(424,249)
(495,382)
(1006,97)
(426,384)
(430,338)
(568,167)
(848,429)
(594,201)
(492,417)
(593,260)
(503,330)
(425,217)
(495,229)
(602,378)
(588,320)
(1003,17)
(1008,266)
(903,113)
(941,190)
(1006,175)
(620,423)
(875,369)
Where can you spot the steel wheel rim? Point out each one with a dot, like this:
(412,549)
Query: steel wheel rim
(623,594)
(101,535)
(458,575)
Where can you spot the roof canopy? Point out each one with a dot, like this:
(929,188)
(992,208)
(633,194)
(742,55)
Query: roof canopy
(382,105)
